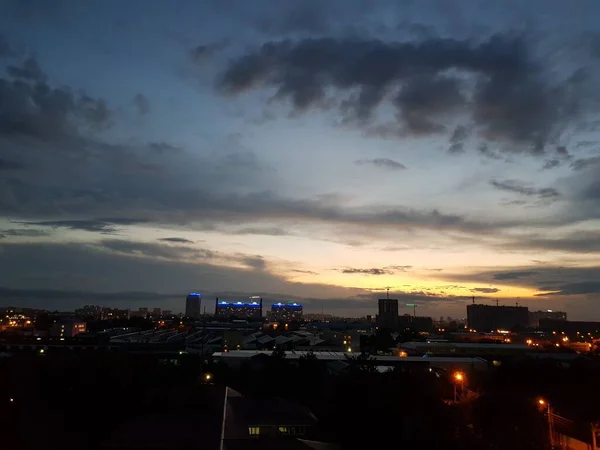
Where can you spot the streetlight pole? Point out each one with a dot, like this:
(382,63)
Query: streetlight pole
(543,402)
(458,377)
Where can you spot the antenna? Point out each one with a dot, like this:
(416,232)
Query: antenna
(387,295)
(497,302)
(473,300)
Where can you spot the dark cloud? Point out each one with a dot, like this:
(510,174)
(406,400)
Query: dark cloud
(305,272)
(121,267)
(142,104)
(384,163)
(584,163)
(546,279)
(153,250)
(177,240)
(79,298)
(32,108)
(484,290)
(6,164)
(367,271)
(510,102)
(586,287)
(163,147)
(255,262)
(205,52)
(580,242)
(388,270)
(519,188)
(104,226)
(457,140)
(514,275)
(266,231)
(551,164)
(23,232)
(29,70)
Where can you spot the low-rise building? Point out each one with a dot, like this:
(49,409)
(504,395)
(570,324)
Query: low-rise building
(67,328)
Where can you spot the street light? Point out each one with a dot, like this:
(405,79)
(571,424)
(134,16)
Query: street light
(546,404)
(459,377)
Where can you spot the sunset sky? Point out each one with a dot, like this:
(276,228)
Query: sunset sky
(316,151)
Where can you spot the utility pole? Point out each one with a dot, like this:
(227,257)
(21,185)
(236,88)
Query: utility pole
(550,426)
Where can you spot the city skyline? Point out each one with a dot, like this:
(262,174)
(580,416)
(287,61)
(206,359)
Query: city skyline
(310,152)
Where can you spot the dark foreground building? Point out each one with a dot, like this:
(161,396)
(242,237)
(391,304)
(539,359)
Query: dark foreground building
(491,318)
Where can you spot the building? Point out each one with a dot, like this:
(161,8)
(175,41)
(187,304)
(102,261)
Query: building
(67,328)
(415,323)
(192,305)
(491,318)
(570,327)
(388,313)
(286,312)
(239,310)
(535,316)
(94,311)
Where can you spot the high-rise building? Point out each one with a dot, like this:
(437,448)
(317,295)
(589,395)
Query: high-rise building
(286,312)
(239,310)
(535,316)
(192,305)
(387,316)
(491,318)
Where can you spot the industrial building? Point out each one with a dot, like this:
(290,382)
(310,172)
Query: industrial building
(535,316)
(492,318)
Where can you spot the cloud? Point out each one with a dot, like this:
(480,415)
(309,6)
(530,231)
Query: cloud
(104,226)
(367,271)
(305,272)
(255,262)
(547,280)
(485,290)
(23,232)
(389,270)
(266,231)
(115,266)
(585,163)
(514,275)
(203,53)
(177,240)
(586,287)
(384,163)
(32,108)
(519,188)
(142,104)
(457,140)
(7,165)
(154,250)
(497,84)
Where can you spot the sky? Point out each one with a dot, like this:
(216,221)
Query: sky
(320,152)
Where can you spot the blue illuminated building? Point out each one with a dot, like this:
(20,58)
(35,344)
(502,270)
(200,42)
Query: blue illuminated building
(239,310)
(192,305)
(286,312)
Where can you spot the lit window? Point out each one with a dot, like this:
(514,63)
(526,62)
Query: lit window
(283,430)
(254,431)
